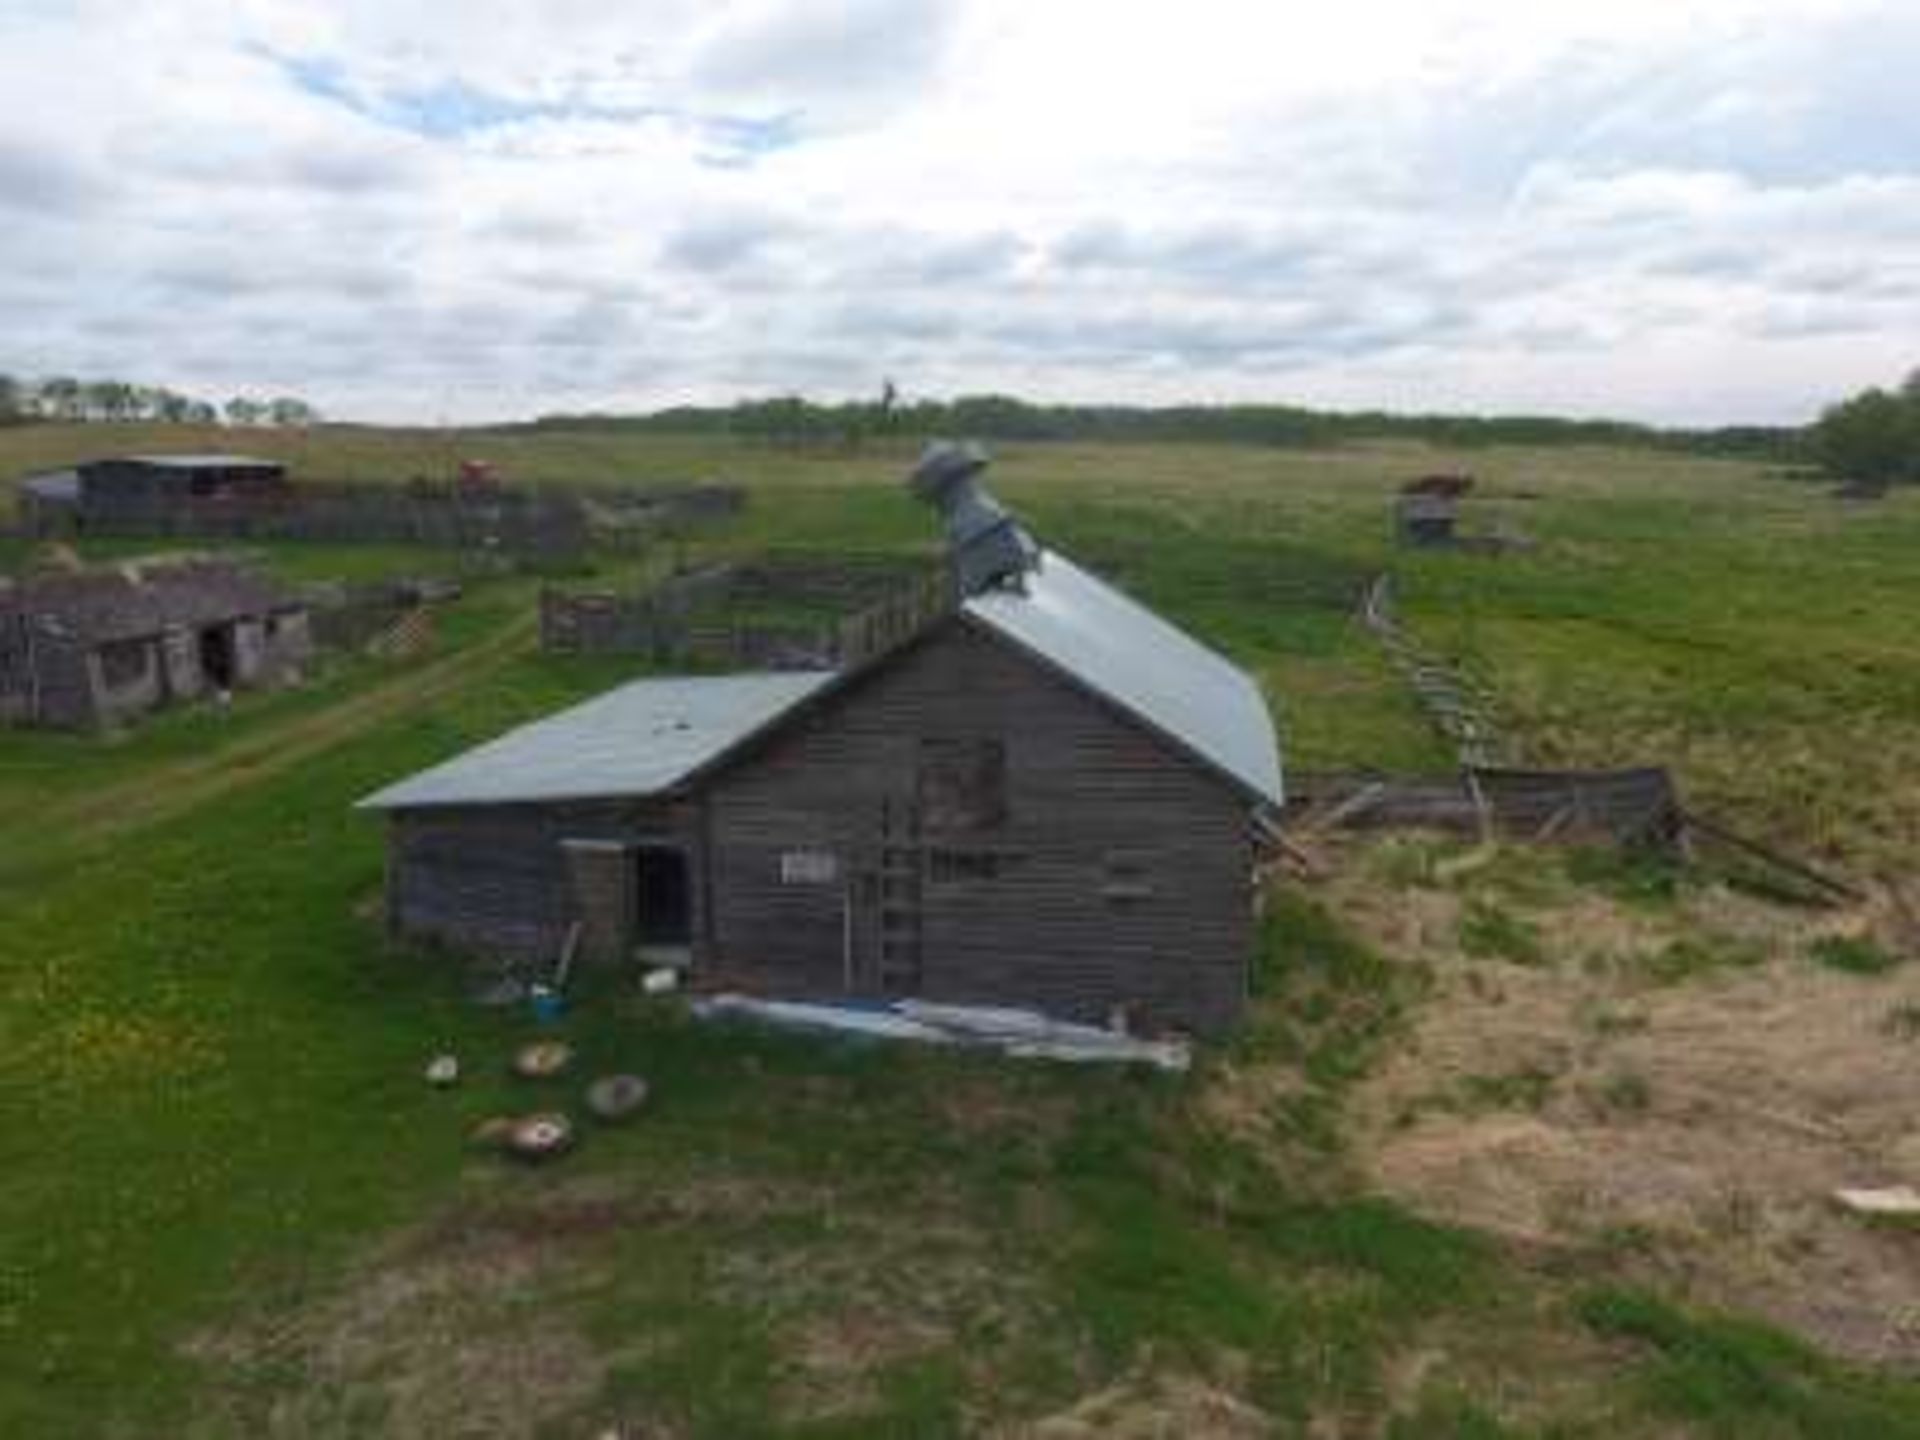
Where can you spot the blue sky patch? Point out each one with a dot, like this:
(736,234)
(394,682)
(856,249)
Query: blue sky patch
(454,110)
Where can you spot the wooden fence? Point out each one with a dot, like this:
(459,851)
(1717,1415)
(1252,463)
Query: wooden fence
(780,612)
(1632,806)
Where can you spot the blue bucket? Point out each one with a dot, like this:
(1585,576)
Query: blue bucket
(548,1005)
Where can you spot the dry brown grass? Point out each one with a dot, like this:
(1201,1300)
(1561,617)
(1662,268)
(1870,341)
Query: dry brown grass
(1157,1406)
(1689,1127)
(476,1322)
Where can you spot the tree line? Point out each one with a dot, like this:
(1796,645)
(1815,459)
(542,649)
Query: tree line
(66,398)
(1873,438)
(793,422)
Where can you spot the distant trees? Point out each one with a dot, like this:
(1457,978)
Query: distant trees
(288,411)
(68,399)
(1873,438)
(792,422)
(60,398)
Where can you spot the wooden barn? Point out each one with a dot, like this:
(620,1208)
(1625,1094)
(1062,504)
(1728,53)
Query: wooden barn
(1040,795)
(83,650)
(138,493)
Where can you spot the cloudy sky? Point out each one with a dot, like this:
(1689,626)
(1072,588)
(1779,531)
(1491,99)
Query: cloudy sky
(490,208)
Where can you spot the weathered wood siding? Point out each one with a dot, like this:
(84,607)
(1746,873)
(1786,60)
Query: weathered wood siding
(127,678)
(1123,868)
(496,878)
(63,691)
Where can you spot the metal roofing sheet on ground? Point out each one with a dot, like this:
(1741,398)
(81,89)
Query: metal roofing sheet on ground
(638,740)
(1120,649)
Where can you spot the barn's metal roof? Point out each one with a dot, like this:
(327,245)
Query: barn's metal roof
(648,736)
(1113,645)
(194,462)
(638,740)
(53,485)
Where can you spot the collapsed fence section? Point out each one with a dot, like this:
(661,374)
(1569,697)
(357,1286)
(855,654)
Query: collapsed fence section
(1461,712)
(1633,806)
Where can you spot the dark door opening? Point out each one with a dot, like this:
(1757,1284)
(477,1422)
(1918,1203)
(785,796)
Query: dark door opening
(663,900)
(216,656)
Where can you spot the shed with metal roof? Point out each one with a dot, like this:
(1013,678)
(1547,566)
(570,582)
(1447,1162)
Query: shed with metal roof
(1042,794)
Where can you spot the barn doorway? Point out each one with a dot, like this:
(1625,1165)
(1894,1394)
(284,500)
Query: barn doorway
(662,906)
(216,656)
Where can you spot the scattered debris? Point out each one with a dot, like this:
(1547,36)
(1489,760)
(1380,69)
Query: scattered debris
(542,1060)
(1892,1202)
(492,1133)
(615,1097)
(569,950)
(1828,888)
(1022,1034)
(443,1070)
(497,992)
(541,1136)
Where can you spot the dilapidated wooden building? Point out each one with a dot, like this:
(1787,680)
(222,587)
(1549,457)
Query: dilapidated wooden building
(144,494)
(86,649)
(1042,795)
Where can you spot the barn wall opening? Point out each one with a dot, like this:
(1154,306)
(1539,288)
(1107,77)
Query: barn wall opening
(216,656)
(663,901)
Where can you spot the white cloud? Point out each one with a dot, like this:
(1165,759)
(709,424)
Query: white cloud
(408,210)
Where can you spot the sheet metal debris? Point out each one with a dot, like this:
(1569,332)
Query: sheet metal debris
(1891,1202)
(1022,1034)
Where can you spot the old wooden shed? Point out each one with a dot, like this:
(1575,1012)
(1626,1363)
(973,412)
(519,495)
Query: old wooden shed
(142,494)
(1042,794)
(93,648)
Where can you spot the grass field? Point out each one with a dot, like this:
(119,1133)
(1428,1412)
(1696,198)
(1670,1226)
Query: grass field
(233,1208)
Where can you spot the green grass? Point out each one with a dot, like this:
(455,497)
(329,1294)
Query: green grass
(1852,955)
(214,1126)
(1489,932)
(1723,1376)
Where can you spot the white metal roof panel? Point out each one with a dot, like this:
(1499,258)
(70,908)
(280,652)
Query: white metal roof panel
(1118,648)
(638,740)
(199,462)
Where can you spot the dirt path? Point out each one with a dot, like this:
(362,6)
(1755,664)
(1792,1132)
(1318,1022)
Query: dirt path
(188,784)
